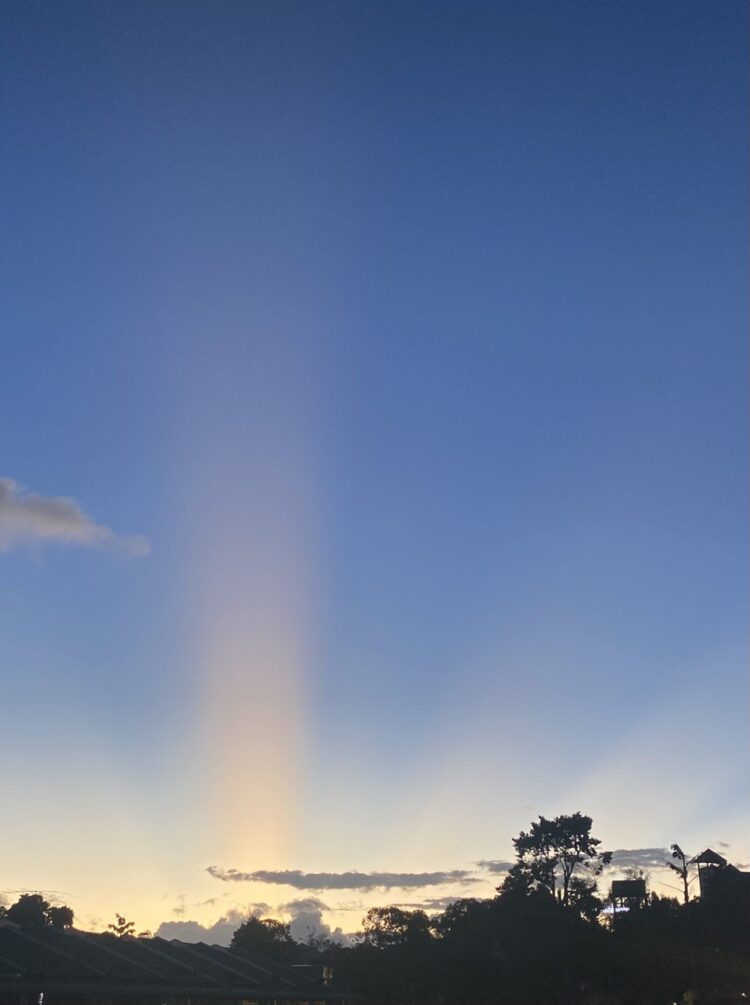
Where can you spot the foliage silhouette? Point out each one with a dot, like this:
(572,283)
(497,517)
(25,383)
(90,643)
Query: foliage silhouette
(33,909)
(548,938)
(267,936)
(121,927)
(384,927)
(60,917)
(551,851)
(681,868)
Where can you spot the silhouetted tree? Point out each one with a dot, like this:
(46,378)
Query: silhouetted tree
(395,958)
(518,882)
(383,927)
(29,909)
(459,917)
(551,852)
(121,927)
(584,898)
(680,866)
(533,945)
(266,936)
(33,909)
(60,917)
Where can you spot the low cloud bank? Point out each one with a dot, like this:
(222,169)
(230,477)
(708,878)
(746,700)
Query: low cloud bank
(428,905)
(220,933)
(494,865)
(342,880)
(28,518)
(307,921)
(640,858)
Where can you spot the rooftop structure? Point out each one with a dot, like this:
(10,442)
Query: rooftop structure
(41,965)
(628,894)
(719,879)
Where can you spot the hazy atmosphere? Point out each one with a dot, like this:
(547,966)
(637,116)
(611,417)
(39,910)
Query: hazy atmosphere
(372,448)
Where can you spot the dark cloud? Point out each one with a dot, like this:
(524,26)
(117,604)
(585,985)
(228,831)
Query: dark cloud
(342,880)
(428,904)
(640,858)
(27,518)
(493,865)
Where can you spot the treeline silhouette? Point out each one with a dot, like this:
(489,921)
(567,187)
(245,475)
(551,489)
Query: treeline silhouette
(32,909)
(549,937)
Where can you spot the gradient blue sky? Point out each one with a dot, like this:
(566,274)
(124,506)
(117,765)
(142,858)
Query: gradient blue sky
(411,335)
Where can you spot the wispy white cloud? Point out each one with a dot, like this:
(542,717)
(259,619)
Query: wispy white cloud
(342,880)
(28,518)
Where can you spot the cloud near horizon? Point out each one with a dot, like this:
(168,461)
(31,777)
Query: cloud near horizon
(220,933)
(640,858)
(495,866)
(307,921)
(28,518)
(429,904)
(342,880)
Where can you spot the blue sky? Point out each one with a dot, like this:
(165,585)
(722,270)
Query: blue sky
(411,336)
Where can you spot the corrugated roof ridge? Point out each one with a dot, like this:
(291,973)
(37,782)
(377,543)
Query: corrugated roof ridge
(265,961)
(99,939)
(148,945)
(192,948)
(25,934)
(248,958)
(277,969)
(181,947)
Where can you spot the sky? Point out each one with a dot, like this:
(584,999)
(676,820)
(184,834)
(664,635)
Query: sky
(372,445)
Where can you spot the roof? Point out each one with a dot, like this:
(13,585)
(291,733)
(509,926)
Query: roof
(42,956)
(629,888)
(709,857)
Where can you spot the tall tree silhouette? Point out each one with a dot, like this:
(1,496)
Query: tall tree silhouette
(551,852)
(680,866)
